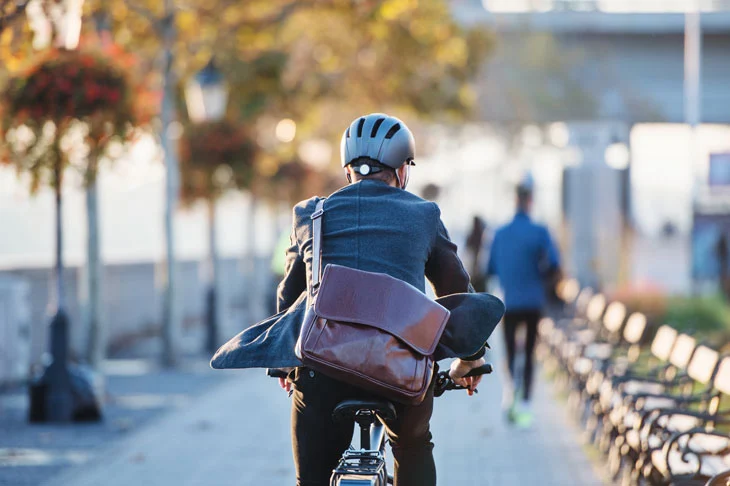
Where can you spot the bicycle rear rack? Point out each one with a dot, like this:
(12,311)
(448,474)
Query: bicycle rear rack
(360,468)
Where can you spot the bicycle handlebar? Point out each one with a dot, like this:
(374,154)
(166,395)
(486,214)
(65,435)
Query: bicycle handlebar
(484,369)
(443,381)
(276,373)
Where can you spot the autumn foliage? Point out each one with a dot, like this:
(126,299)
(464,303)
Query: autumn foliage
(215,156)
(64,85)
(66,93)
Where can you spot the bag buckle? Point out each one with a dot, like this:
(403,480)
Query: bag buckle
(317,214)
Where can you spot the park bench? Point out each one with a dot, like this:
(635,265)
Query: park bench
(567,339)
(691,438)
(554,334)
(631,392)
(614,358)
(646,429)
(721,479)
(593,350)
(568,290)
(613,412)
(662,366)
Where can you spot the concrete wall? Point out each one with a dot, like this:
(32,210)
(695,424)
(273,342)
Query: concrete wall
(133,297)
(14,329)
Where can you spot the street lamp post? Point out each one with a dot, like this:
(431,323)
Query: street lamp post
(61,393)
(206,96)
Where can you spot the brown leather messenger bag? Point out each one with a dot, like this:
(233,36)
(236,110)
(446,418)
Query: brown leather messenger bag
(369,329)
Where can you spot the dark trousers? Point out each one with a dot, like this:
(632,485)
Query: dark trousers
(318,442)
(512,320)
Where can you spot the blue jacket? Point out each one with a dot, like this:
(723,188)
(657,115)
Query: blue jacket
(522,254)
(374,227)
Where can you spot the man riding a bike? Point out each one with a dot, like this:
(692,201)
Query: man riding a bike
(372,224)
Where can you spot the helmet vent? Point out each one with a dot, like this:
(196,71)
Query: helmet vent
(348,132)
(374,131)
(393,130)
(359,127)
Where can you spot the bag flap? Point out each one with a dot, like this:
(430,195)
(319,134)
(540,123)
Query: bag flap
(381,301)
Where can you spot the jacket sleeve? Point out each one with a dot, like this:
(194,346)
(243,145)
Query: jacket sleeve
(550,253)
(444,268)
(295,277)
(446,272)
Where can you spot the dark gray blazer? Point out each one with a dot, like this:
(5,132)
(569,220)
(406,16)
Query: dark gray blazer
(374,227)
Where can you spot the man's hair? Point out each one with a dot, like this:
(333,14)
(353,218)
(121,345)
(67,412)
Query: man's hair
(386,174)
(524,196)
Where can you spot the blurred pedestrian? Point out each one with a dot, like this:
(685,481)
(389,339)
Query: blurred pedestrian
(522,257)
(475,254)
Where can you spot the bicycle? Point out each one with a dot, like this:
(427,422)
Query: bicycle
(365,466)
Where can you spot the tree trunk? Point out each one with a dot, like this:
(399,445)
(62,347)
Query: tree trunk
(252,292)
(96,349)
(212,293)
(60,297)
(171,313)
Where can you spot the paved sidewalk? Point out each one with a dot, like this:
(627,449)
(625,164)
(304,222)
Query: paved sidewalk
(137,393)
(237,434)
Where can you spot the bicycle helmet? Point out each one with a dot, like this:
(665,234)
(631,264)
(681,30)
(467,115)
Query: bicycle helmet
(379,137)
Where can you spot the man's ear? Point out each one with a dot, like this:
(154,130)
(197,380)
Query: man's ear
(347,175)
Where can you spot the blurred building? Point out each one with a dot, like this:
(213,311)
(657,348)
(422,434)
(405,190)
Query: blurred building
(606,73)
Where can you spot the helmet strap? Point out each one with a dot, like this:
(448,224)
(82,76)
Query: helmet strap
(403,184)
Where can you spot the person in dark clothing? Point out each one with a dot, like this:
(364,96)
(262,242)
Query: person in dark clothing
(475,250)
(372,224)
(522,257)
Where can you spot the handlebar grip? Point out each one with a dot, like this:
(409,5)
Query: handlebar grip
(484,369)
(276,373)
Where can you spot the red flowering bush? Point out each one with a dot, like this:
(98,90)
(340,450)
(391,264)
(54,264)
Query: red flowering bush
(215,156)
(67,85)
(293,181)
(63,91)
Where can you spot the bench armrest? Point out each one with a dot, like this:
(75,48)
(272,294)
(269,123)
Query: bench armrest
(682,443)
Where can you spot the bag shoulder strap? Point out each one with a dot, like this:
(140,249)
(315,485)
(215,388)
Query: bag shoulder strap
(317,244)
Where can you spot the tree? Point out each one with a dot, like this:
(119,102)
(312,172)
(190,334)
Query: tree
(170,36)
(64,112)
(320,62)
(215,156)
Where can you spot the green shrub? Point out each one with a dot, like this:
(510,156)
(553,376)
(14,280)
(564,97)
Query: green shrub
(705,315)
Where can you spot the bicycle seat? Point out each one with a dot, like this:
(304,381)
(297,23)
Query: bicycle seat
(348,408)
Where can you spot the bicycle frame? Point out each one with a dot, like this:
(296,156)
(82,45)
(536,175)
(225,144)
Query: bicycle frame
(366,466)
